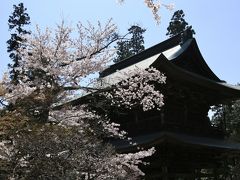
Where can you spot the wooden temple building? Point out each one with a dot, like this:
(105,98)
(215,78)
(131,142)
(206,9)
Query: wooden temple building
(187,145)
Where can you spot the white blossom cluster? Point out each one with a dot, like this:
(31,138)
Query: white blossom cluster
(122,166)
(69,59)
(58,58)
(93,160)
(25,91)
(132,160)
(87,120)
(139,89)
(154,6)
(12,92)
(5,150)
(109,166)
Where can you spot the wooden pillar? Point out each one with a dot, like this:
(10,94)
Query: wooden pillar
(185,115)
(215,174)
(165,172)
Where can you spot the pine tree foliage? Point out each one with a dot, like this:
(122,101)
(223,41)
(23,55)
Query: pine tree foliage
(226,117)
(137,39)
(132,45)
(123,50)
(17,21)
(178,24)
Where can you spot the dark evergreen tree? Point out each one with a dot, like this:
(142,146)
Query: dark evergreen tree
(226,117)
(178,24)
(16,23)
(123,50)
(127,47)
(137,39)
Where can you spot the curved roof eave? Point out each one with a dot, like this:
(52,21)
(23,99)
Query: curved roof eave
(164,65)
(196,58)
(158,138)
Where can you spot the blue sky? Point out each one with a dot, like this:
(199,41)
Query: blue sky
(216,24)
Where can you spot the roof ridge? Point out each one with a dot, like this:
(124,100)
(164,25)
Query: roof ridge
(153,50)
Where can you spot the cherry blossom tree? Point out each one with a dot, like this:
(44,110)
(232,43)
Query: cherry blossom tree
(136,89)
(154,6)
(69,142)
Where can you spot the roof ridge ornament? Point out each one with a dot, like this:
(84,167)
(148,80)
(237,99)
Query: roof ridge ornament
(186,35)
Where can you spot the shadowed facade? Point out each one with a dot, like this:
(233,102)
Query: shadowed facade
(187,145)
